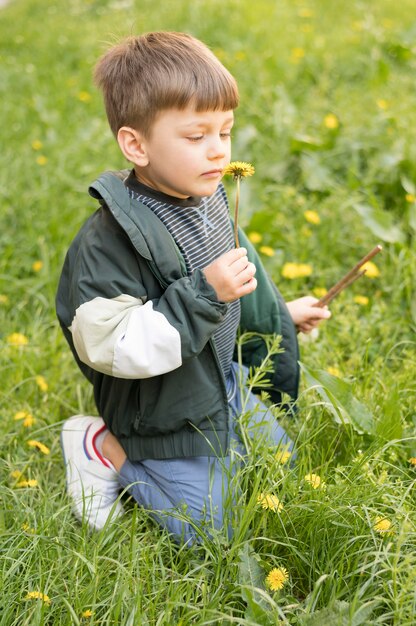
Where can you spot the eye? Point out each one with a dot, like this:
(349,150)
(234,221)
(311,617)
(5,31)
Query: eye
(195,138)
(226,135)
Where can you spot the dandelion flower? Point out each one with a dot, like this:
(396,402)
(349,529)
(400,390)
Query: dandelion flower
(283,456)
(17,339)
(410,197)
(41,383)
(277,578)
(16,474)
(412,460)
(331,121)
(255,237)
(84,96)
(27,529)
(371,269)
(382,104)
(312,217)
(383,526)
(38,595)
(238,170)
(28,419)
(269,501)
(319,292)
(296,270)
(305,12)
(363,300)
(334,371)
(28,483)
(297,54)
(315,481)
(41,159)
(4,299)
(37,266)
(37,145)
(87,613)
(266,250)
(39,445)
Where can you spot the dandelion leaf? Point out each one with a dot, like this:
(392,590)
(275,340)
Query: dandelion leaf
(339,614)
(339,400)
(251,577)
(381,223)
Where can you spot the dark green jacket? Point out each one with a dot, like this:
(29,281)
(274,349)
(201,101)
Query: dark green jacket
(141,331)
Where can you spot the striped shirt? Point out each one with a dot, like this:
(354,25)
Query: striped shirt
(202,231)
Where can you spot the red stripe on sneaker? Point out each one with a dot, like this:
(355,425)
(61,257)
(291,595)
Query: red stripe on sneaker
(103,460)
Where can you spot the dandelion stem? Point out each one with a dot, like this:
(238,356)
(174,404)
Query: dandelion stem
(237,200)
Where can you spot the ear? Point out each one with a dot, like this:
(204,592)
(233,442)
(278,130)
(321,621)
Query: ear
(132,145)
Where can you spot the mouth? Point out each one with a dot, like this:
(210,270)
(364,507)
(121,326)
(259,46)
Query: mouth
(212,173)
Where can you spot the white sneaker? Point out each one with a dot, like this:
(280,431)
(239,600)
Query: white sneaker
(91,480)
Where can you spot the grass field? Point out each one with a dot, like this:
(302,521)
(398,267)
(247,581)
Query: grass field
(327,117)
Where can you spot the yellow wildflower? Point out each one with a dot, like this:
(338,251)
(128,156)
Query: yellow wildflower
(37,266)
(319,292)
(371,269)
(312,217)
(410,197)
(269,501)
(16,474)
(4,299)
(296,270)
(412,460)
(266,250)
(315,481)
(17,339)
(84,96)
(27,529)
(38,595)
(334,371)
(277,578)
(305,12)
(41,383)
(363,300)
(41,159)
(28,483)
(28,419)
(36,144)
(331,121)
(238,169)
(382,104)
(240,55)
(87,613)
(283,456)
(383,526)
(255,237)
(32,443)
(297,54)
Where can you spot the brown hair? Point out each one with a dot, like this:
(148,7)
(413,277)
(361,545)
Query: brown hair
(144,75)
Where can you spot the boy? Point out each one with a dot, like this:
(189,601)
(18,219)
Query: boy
(153,291)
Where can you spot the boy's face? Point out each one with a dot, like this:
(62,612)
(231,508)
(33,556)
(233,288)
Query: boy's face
(186,152)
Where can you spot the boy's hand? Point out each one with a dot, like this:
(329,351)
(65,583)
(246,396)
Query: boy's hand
(304,315)
(231,275)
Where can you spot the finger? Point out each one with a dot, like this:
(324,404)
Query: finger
(247,288)
(246,273)
(234,255)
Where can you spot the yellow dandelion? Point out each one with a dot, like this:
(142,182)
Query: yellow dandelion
(27,418)
(357,26)
(371,269)
(269,501)
(319,292)
(87,613)
(277,578)
(240,55)
(32,443)
(37,266)
(410,197)
(412,460)
(4,299)
(315,481)
(382,104)
(37,145)
(238,170)
(312,217)
(16,474)
(363,300)
(266,250)
(41,159)
(28,483)
(334,371)
(331,121)
(27,529)
(38,595)
(41,383)
(17,339)
(296,270)
(305,12)
(297,54)
(255,237)
(84,96)
(283,456)
(383,526)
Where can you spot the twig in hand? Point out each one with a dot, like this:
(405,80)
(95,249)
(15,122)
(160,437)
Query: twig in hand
(348,279)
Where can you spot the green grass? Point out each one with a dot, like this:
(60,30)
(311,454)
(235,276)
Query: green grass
(296,62)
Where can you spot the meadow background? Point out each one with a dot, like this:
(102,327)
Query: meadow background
(327,117)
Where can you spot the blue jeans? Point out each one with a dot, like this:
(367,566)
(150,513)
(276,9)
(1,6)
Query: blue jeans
(189,496)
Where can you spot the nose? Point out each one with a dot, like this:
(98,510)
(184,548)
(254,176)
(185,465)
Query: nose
(216,149)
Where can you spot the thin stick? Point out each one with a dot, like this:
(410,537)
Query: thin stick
(348,279)
(237,198)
